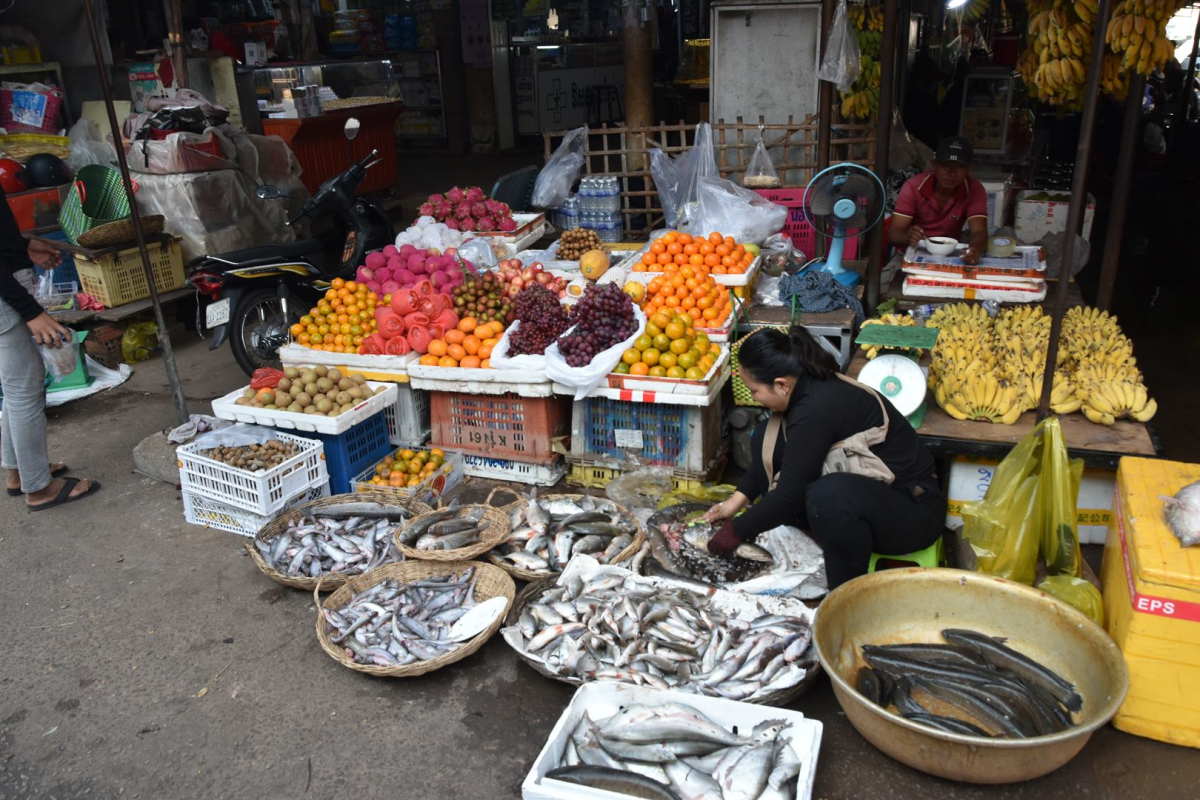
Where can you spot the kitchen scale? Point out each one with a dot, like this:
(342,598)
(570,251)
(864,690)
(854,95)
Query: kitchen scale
(898,375)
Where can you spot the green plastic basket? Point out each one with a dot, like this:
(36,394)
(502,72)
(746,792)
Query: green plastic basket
(96,198)
(741,392)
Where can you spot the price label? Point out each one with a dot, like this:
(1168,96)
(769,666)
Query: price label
(628,439)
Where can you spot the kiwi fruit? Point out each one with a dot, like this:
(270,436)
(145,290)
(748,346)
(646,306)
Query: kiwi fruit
(295,408)
(311,388)
(324,385)
(285,385)
(355,393)
(304,399)
(335,375)
(249,394)
(323,405)
(359,379)
(321,371)
(291,373)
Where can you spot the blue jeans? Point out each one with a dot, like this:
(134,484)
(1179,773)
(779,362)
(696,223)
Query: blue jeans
(23,427)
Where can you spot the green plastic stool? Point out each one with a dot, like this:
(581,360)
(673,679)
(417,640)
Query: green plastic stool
(932,556)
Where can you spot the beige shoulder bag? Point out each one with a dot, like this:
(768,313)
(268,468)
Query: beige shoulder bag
(853,454)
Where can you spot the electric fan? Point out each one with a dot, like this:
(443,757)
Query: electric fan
(842,201)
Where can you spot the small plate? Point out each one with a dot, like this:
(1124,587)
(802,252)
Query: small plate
(477,619)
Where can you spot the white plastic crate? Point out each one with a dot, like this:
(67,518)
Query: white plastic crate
(263,492)
(501,469)
(603,699)
(199,510)
(428,491)
(408,417)
(227,408)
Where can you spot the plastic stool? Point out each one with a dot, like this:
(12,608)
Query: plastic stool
(931,556)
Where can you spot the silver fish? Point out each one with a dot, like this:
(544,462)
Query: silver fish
(698,536)
(366,510)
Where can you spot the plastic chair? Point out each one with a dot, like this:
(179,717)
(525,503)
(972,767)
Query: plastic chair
(516,188)
(932,556)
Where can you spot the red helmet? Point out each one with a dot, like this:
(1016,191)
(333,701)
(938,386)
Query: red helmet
(12,176)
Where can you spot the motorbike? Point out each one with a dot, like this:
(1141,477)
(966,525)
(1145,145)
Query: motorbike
(252,297)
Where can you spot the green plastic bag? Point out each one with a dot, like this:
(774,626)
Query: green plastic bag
(1060,478)
(1078,592)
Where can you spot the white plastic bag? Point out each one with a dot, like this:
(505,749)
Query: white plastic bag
(677,178)
(502,360)
(841,63)
(760,172)
(479,252)
(60,361)
(88,146)
(727,208)
(584,379)
(236,436)
(554,182)
(799,569)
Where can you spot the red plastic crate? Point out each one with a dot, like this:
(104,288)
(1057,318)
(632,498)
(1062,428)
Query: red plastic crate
(797,228)
(505,426)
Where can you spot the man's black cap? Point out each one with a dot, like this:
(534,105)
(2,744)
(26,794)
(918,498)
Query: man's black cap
(954,149)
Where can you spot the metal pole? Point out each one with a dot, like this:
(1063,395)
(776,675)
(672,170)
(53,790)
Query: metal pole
(176,39)
(1191,75)
(1078,198)
(883,135)
(163,338)
(824,94)
(1120,196)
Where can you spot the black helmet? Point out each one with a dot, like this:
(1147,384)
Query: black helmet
(47,170)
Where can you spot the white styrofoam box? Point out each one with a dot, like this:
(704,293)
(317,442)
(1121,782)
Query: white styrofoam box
(1033,219)
(393,369)
(602,700)
(672,391)
(262,492)
(970,478)
(503,469)
(408,418)
(998,195)
(227,408)
(427,491)
(199,510)
(525,383)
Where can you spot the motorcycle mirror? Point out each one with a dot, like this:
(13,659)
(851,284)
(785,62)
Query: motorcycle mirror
(351,129)
(268,192)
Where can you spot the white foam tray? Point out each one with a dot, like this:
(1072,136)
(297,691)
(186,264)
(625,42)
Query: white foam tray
(227,408)
(525,383)
(295,355)
(671,391)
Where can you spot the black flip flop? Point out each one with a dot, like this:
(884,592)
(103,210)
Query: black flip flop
(54,473)
(64,494)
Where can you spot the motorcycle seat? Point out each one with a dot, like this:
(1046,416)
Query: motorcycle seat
(304,249)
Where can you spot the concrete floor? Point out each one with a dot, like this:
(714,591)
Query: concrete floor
(118,615)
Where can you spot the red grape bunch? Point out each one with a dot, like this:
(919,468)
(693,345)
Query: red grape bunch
(542,318)
(603,317)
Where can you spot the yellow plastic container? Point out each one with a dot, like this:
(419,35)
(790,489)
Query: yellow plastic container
(116,276)
(1152,604)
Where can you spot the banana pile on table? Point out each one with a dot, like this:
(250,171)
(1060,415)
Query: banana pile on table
(1106,376)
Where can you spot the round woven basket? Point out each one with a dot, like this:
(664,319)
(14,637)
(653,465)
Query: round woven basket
(639,538)
(497,531)
(534,590)
(330,581)
(111,234)
(490,582)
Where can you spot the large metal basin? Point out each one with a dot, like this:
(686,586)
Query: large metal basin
(914,605)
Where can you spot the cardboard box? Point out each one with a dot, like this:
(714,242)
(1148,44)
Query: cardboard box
(1033,219)
(256,54)
(1152,604)
(971,476)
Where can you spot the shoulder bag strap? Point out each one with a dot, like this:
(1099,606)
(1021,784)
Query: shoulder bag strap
(878,399)
(770,439)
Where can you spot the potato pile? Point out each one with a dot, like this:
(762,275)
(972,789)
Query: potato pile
(574,243)
(254,457)
(312,390)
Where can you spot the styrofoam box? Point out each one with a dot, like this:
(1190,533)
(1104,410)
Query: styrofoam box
(998,195)
(393,369)
(262,492)
(1033,219)
(601,700)
(970,478)
(524,383)
(227,408)
(502,469)
(637,389)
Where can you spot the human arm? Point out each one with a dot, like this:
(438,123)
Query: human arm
(14,257)
(976,223)
(728,509)
(903,230)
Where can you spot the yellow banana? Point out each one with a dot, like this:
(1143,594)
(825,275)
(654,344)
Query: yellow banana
(1147,412)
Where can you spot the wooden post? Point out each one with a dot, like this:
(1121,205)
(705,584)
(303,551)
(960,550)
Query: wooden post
(825,94)
(1075,212)
(1120,197)
(883,133)
(639,89)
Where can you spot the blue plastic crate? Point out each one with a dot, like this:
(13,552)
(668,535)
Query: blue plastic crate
(680,437)
(65,272)
(347,454)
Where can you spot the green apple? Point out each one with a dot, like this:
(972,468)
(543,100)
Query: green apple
(752,248)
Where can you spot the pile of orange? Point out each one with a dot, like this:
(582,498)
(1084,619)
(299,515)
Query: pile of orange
(717,254)
(691,291)
(405,469)
(670,348)
(339,321)
(468,346)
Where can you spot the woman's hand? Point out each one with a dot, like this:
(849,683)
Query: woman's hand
(44,255)
(47,331)
(727,510)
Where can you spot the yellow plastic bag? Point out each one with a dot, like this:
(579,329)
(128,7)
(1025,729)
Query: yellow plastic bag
(1078,592)
(1060,478)
(139,342)
(705,494)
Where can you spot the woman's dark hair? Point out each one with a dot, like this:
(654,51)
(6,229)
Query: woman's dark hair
(770,354)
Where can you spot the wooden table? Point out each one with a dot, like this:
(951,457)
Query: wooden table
(1099,446)
(121,312)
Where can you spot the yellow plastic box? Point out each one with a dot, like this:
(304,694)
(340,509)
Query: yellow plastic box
(115,276)
(1152,603)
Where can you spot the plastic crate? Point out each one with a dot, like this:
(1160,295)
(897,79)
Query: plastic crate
(502,469)
(262,492)
(116,277)
(678,437)
(408,417)
(427,491)
(349,453)
(499,426)
(199,510)
(591,475)
(227,408)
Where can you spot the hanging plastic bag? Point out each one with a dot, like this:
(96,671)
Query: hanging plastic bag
(665,172)
(554,182)
(760,172)
(88,146)
(733,211)
(1077,592)
(1061,477)
(139,342)
(701,164)
(841,63)
(584,379)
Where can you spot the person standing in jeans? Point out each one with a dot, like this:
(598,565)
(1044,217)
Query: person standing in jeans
(23,448)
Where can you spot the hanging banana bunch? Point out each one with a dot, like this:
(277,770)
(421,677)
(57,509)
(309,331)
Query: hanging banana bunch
(973,10)
(1060,41)
(862,101)
(1137,33)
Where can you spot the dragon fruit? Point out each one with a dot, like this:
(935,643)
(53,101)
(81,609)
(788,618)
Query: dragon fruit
(485,224)
(436,198)
(467,224)
(442,209)
(508,225)
(456,195)
(462,210)
(452,224)
(475,194)
(494,207)
(425,210)
(478,210)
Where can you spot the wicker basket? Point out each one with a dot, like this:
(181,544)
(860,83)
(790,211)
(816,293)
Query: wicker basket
(639,538)
(534,590)
(111,234)
(490,582)
(497,531)
(278,525)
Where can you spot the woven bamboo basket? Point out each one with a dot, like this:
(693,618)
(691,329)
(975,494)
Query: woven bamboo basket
(111,234)
(497,531)
(490,582)
(639,538)
(534,590)
(328,582)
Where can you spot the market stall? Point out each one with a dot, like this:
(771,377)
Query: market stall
(322,150)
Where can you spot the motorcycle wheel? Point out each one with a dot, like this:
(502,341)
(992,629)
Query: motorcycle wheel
(260,328)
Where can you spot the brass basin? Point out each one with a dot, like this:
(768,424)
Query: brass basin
(914,605)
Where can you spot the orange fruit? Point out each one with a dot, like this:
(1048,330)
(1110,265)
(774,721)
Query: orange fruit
(470,362)
(429,360)
(649,258)
(658,372)
(338,283)
(631,356)
(471,345)
(456,351)
(664,258)
(485,351)
(716,238)
(650,357)
(640,368)
(485,364)
(668,360)
(297,329)
(447,361)
(437,348)
(468,324)
(455,337)
(674,248)
(658,248)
